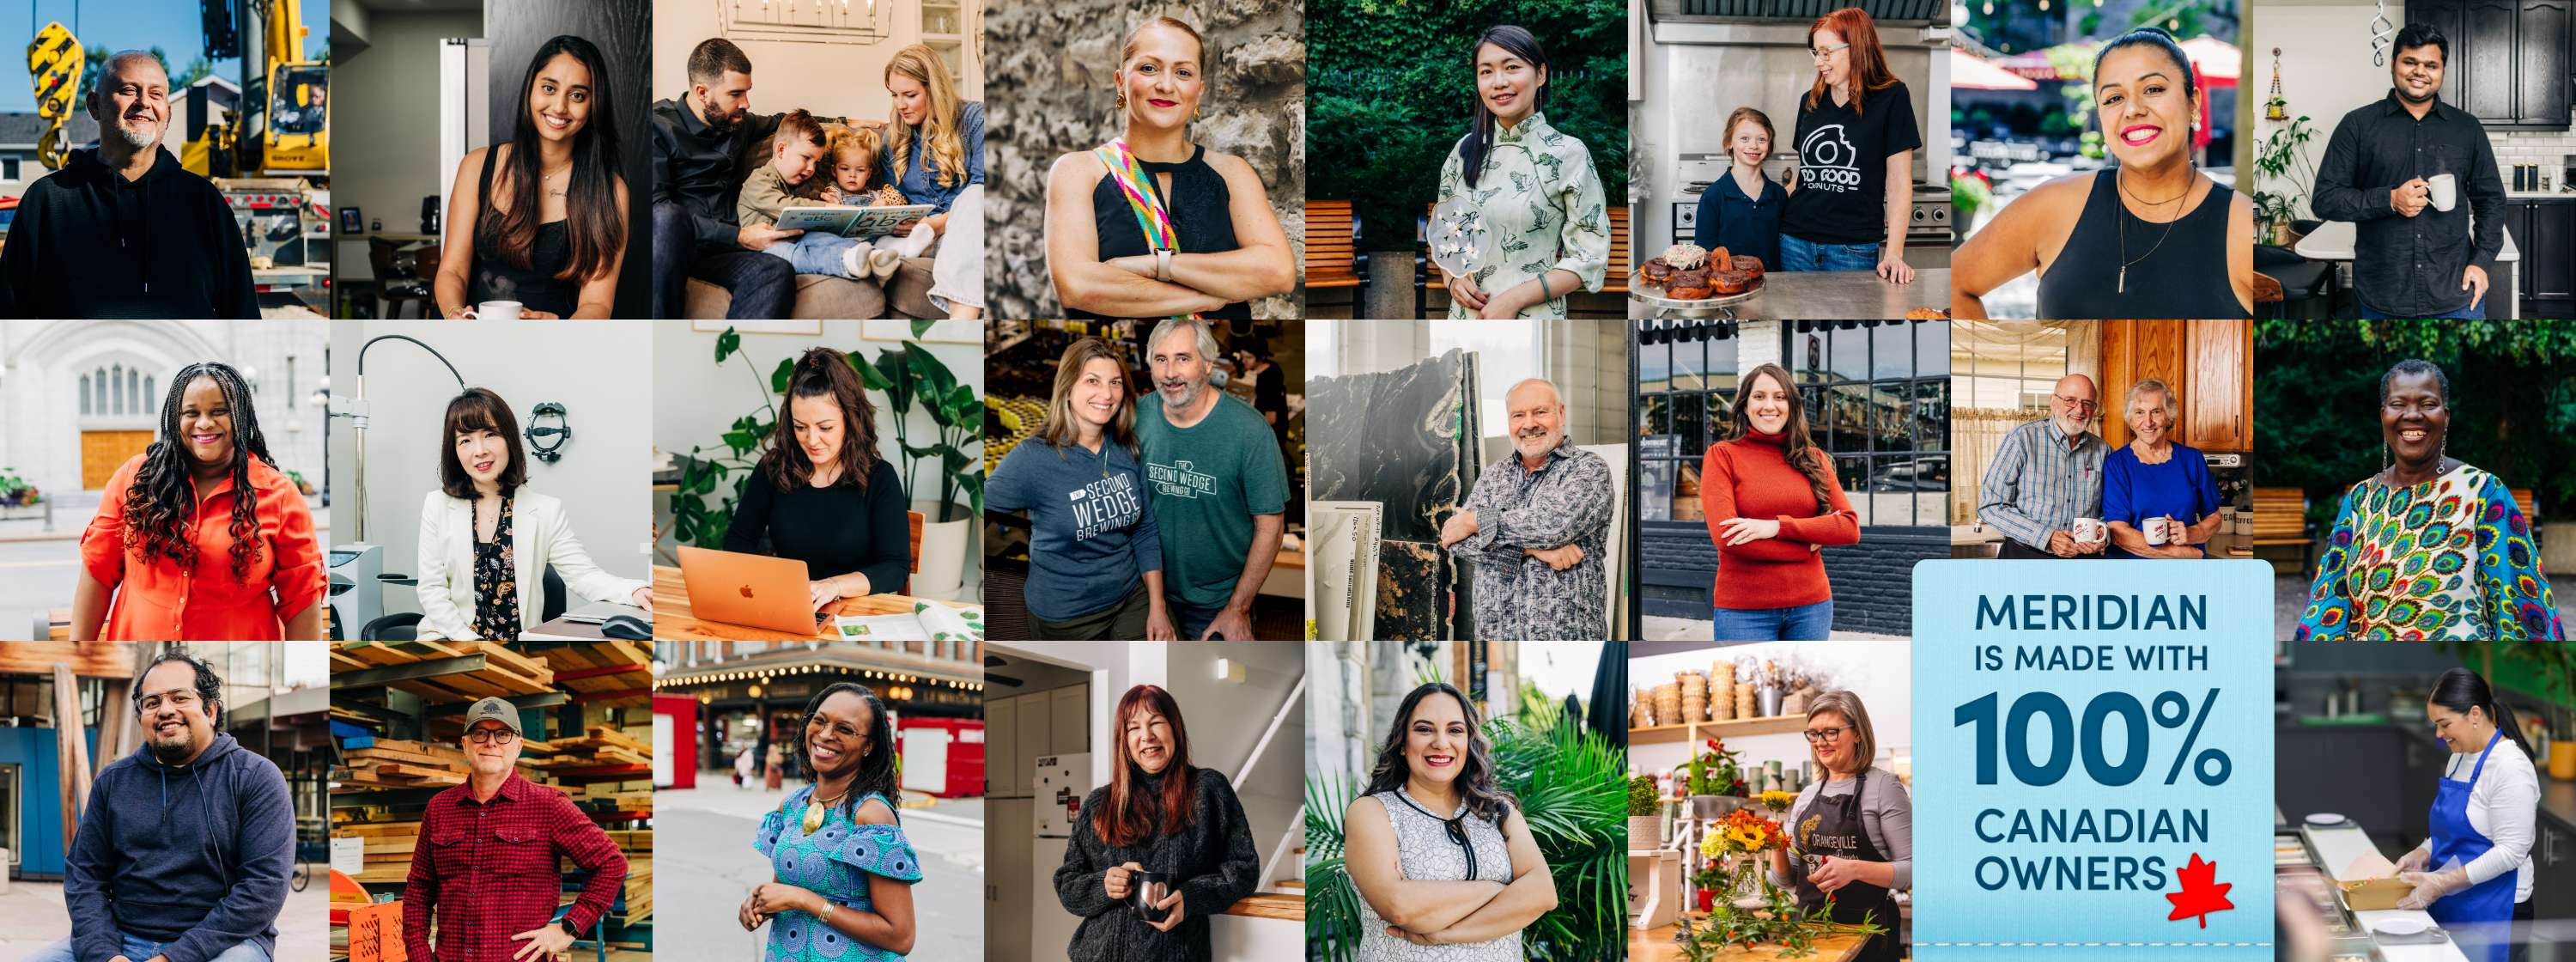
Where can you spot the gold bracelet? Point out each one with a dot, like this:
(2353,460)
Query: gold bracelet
(827,913)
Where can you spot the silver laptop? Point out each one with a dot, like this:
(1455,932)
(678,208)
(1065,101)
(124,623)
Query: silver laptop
(598,612)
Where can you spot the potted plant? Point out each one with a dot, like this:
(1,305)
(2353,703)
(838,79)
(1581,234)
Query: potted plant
(15,492)
(1757,912)
(1645,815)
(1716,781)
(2282,176)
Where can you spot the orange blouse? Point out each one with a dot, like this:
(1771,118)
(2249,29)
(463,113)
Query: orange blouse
(162,601)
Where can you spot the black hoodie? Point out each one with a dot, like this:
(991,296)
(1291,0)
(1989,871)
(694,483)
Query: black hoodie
(89,243)
(194,855)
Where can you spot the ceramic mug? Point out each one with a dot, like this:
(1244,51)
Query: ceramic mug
(2446,191)
(2089,530)
(2155,529)
(497,310)
(1150,888)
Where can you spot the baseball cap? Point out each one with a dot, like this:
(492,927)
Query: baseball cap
(492,709)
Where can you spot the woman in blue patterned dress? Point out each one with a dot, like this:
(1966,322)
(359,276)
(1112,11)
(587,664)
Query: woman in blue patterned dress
(2429,548)
(844,869)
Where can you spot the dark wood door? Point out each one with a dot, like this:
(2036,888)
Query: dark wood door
(2487,49)
(2549,253)
(2541,91)
(2444,16)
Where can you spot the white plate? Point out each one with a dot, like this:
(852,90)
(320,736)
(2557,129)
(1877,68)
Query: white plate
(2400,927)
(2327,818)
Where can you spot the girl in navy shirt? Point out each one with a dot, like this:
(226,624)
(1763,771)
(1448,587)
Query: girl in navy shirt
(1741,211)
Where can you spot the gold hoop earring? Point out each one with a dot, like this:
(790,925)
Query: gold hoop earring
(1122,100)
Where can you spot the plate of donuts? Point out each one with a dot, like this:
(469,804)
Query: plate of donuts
(1689,277)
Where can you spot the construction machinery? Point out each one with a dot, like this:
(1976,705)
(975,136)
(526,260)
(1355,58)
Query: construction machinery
(54,63)
(280,123)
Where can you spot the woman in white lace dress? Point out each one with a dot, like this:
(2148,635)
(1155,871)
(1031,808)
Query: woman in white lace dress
(1446,868)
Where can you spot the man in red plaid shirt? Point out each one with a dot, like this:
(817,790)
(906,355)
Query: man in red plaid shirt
(486,863)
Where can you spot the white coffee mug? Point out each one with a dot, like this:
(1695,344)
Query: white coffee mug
(2089,530)
(497,310)
(2446,191)
(2155,528)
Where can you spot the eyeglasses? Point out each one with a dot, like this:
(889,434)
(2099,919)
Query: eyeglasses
(1826,734)
(2079,404)
(490,736)
(1821,53)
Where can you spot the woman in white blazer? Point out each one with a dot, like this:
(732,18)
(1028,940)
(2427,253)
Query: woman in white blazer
(485,540)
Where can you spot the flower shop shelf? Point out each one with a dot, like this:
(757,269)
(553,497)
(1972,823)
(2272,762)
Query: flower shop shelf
(1696,731)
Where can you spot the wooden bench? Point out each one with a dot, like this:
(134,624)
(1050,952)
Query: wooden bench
(1427,277)
(2281,518)
(1334,257)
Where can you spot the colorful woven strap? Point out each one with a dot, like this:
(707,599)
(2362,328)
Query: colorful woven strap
(1151,216)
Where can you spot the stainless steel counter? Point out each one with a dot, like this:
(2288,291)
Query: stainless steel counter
(1833,295)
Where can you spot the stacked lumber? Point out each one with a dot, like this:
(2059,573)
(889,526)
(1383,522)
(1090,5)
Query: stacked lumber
(389,848)
(597,747)
(611,674)
(505,673)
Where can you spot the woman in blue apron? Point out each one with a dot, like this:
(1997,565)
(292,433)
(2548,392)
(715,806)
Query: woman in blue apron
(2474,873)
(1853,828)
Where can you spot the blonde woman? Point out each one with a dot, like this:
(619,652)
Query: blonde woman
(1853,828)
(1152,224)
(1095,556)
(935,155)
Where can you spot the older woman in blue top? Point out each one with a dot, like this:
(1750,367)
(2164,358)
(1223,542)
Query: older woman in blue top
(1741,211)
(2155,481)
(935,155)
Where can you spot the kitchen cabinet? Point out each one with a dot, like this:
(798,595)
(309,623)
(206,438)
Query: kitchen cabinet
(2546,229)
(2509,59)
(2553,870)
(2353,770)
(2206,363)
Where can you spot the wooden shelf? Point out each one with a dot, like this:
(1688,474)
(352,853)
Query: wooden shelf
(1697,731)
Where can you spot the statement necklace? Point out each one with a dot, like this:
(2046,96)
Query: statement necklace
(814,810)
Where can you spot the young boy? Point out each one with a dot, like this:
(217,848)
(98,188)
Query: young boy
(788,180)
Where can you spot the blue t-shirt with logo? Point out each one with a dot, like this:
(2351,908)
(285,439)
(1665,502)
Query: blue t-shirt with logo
(1093,534)
(1842,165)
(1209,480)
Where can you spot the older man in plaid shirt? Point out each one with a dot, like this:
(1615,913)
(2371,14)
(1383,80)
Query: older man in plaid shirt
(486,864)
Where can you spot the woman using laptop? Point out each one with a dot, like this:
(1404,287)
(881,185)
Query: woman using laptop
(486,541)
(1095,556)
(821,494)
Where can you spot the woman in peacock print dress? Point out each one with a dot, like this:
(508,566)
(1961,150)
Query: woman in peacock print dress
(843,868)
(2430,548)
(1541,202)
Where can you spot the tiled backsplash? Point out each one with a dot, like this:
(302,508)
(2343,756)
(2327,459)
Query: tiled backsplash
(2549,149)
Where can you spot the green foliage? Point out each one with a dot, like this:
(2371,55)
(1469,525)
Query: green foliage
(1641,796)
(1391,87)
(2282,173)
(15,492)
(2513,401)
(1779,922)
(1567,783)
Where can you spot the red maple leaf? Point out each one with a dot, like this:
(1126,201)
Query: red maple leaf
(2201,893)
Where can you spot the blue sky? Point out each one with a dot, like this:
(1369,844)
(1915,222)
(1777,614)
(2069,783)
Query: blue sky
(122,24)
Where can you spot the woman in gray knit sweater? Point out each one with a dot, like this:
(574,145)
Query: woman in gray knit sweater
(1161,815)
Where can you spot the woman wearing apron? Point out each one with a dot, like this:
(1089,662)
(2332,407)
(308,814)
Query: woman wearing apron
(1851,831)
(2474,873)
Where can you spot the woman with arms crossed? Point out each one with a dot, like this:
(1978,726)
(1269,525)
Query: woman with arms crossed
(1159,814)
(1772,503)
(552,234)
(821,494)
(1446,868)
(1151,224)
(204,499)
(843,870)
(478,574)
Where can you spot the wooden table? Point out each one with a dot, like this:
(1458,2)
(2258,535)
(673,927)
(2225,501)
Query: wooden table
(1656,945)
(672,620)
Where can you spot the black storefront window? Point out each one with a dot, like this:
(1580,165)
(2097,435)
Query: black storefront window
(1878,401)
(1686,374)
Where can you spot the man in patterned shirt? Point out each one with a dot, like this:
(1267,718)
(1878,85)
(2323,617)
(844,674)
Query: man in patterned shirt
(2045,475)
(1534,527)
(486,865)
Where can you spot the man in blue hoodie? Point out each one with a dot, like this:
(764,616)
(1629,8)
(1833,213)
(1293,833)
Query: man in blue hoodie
(183,853)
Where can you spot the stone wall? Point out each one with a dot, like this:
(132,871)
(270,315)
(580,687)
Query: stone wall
(1050,93)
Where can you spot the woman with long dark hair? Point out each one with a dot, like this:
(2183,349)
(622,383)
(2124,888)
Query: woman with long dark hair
(1772,504)
(843,869)
(1534,187)
(1445,865)
(1095,554)
(821,494)
(541,220)
(1152,223)
(2430,548)
(486,540)
(1854,826)
(203,499)
(2149,236)
(2473,871)
(1852,196)
(1162,815)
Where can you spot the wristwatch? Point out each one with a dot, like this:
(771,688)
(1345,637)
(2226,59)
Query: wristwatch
(569,930)
(1163,264)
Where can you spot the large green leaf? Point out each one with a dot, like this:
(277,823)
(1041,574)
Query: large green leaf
(778,377)
(727,343)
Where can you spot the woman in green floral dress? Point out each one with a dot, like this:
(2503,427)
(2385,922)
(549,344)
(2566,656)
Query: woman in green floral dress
(1535,188)
(843,867)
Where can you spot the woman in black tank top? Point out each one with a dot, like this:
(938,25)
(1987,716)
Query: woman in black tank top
(535,287)
(499,247)
(1147,225)
(2152,235)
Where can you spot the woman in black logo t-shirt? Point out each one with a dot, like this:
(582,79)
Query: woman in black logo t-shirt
(1853,193)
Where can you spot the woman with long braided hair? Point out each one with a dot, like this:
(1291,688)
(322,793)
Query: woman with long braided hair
(201,537)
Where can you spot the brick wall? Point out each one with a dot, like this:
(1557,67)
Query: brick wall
(1874,580)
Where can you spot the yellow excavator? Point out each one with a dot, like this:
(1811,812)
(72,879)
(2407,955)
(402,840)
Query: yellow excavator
(281,126)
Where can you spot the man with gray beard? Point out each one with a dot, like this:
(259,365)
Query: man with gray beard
(123,230)
(2046,474)
(1534,528)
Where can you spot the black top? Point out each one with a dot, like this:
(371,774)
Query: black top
(696,166)
(1270,397)
(1200,215)
(496,582)
(834,530)
(1211,861)
(2411,266)
(1842,165)
(491,278)
(89,243)
(2184,277)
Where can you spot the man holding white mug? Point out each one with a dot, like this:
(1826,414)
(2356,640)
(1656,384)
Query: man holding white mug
(2043,490)
(2397,168)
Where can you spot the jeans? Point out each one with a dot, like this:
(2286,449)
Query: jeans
(1799,254)
(138,950)
(1188,620)
(762,286)
(1800,623)
(815,253)
(2476,311)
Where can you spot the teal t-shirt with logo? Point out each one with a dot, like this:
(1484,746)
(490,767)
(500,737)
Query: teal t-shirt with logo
(1208,481)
